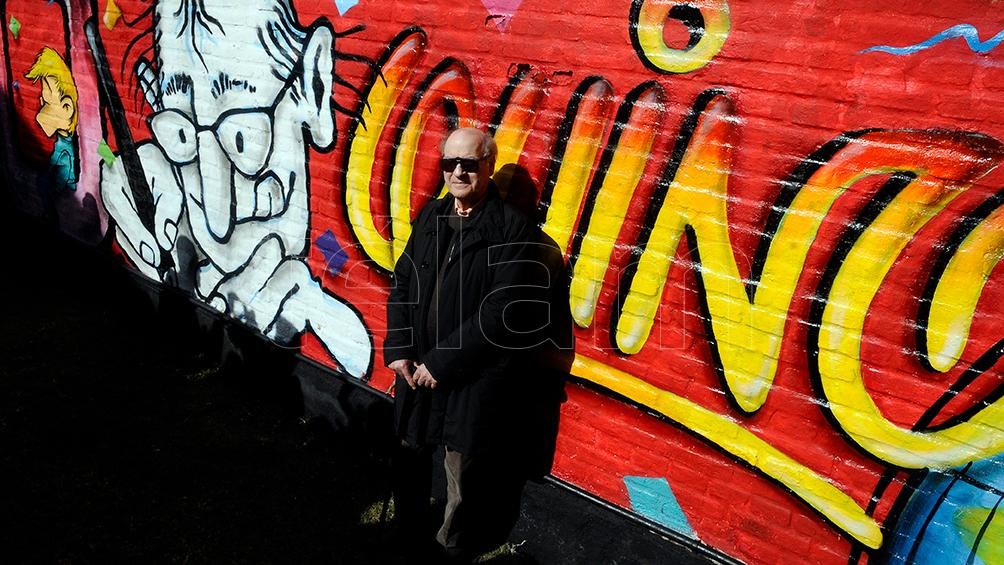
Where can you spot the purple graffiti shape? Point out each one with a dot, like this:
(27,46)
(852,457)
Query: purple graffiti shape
(334,256)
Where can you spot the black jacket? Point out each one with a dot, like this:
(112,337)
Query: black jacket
(475,358)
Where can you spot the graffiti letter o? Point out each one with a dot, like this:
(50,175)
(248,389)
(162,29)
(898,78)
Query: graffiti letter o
(707,20)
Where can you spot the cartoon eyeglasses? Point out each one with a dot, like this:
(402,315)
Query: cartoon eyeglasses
(244,134)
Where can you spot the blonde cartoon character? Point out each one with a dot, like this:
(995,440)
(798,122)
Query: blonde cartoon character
(57,115)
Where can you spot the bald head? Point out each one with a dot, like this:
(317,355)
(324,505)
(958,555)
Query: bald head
(468,162)
(485,143)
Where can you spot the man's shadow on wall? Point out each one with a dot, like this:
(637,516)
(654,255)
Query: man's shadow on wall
(546,320)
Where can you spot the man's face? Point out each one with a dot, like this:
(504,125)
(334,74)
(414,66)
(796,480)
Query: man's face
(468,187)
(56,112)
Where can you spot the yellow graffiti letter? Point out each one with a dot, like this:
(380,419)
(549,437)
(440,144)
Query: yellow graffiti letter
(944,164)
(958,290)
(627,152)
(448,87)
(396,69)
(590,106)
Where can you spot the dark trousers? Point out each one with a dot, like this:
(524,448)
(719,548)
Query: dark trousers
(483,495)
(412,487)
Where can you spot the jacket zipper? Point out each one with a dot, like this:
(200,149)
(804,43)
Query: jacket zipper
(452,248)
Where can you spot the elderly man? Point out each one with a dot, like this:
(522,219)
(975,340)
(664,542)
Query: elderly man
(457,359)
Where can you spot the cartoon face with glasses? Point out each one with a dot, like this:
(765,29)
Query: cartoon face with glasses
(241,94)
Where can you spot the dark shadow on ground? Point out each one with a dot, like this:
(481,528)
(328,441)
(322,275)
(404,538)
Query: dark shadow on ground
(126,437)
(127,440)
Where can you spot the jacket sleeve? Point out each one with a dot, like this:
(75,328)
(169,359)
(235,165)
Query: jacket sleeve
(460,355)
(400,342)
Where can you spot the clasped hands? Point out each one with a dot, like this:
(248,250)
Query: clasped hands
(415,375)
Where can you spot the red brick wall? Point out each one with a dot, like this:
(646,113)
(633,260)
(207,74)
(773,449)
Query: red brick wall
(783,225)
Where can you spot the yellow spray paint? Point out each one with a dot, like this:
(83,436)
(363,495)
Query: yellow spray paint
(112,14)
(945,164)
(518,119)
(453,83)
(959,288)
(590,123)
(649,18)
(383,95)
(619,182)
(721,430)
(748,335)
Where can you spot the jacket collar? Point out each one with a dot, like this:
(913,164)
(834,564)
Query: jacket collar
(490,221)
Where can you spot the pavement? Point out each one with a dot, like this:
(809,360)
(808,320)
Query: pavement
(132,433)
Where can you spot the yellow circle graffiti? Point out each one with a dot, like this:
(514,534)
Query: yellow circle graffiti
(708,23)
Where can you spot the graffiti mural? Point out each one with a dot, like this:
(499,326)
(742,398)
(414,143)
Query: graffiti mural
(783,236)
(227,213)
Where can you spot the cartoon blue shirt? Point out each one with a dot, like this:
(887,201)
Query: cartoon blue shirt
(63,163)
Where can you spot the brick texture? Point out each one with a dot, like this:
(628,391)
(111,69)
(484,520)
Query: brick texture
(781,221)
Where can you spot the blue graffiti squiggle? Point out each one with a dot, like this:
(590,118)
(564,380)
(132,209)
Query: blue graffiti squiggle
(965,31)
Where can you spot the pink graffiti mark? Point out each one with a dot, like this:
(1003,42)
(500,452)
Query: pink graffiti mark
(501,11)
(89,113)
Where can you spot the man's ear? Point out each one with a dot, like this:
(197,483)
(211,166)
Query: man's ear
(316,85)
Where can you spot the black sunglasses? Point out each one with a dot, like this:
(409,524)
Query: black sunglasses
(467,164)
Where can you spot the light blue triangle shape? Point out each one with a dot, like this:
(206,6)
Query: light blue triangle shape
(344,5)
(652,498)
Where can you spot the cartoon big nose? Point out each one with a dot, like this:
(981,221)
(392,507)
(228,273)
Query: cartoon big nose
(217,188)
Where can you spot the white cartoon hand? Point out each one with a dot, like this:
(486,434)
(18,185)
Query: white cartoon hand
(142,246)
